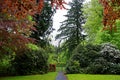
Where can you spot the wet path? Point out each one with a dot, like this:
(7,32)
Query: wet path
(61,76)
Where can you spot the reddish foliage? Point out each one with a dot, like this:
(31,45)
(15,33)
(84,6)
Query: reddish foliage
(59,3)
(111,13)
(14,24)
(52,67)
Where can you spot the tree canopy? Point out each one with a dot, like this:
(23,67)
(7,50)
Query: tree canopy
(44,23)
(16,23)
(93,25)
(111,12)
(71,28)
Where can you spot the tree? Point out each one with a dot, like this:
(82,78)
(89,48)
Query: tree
(15,23)
(93,26)
(111,13)
(71,29)
(111,36)
(43,25)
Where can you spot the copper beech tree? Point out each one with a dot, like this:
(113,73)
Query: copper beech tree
(15,25)
(111,12)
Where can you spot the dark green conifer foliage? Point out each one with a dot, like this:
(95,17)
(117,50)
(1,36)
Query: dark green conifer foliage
(43,25)
(71,28)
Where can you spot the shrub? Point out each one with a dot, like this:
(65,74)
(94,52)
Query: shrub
(99,66)
(61,64)
(90,47)
(84,55)
(78,55)
(114,69)
(5,66)
(96,59)
(108,61)
(31,62)
(73,67)
(111,53)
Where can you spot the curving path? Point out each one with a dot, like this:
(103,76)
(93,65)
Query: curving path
(61,76)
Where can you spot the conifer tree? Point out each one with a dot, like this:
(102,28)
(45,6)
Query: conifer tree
(71,28)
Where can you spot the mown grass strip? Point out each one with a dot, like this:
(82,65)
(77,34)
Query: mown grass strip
(49,76)
(92,77)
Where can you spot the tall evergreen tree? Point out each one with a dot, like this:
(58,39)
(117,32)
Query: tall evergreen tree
(71,29)
(43,25)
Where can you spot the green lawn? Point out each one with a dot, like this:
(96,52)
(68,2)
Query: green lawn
(52,76)
(92,77)
(49,76)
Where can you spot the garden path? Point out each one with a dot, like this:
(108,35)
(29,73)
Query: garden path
(61,76)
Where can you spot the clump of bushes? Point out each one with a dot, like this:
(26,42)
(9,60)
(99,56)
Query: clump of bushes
(72,67)
(111,54)
(6,66)
(31,62)
(96,59)
(84,55)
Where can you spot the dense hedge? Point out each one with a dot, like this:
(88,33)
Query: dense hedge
(31,62)
(72,67)
(96,59)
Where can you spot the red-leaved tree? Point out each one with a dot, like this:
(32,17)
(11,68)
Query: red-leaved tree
(111,12)
(15,25)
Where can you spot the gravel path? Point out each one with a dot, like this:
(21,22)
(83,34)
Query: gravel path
(61,76)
